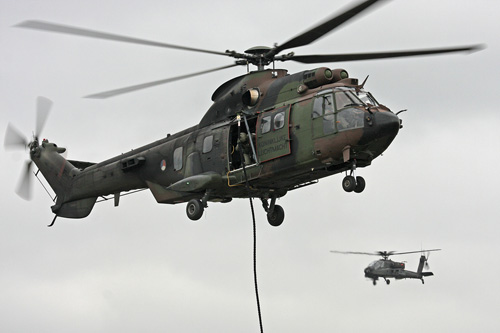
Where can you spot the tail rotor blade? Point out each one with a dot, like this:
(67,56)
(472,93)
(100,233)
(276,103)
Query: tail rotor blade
(43,106)
(24,187)
(14,139)
(427,261)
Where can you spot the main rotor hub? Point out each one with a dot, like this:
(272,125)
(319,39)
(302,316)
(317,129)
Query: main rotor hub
(257,56)
(258,50)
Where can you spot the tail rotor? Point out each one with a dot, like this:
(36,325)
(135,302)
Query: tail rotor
(14,139)
(426,264)
(43,106)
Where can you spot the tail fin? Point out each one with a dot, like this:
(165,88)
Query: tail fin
(60,173)
(421,264)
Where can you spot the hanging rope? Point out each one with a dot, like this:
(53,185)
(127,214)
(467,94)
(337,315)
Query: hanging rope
(254,227)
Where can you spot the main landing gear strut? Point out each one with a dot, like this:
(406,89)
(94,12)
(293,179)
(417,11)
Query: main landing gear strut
(351,183)
(275,213)
(195,207)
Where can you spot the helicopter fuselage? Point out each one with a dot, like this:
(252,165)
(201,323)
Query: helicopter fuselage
(298,128)
(386,268)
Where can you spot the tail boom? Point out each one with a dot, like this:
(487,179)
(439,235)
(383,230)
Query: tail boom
(77,190)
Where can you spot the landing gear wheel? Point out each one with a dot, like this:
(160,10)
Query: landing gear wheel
(388,282)
(194,209)
(360,184)
(277,216)
(349,183)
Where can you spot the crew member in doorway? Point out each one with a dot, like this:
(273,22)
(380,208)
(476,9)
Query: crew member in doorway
(246,149)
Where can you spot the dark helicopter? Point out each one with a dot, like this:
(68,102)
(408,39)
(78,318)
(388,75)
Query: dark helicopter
(386,268)
(268,132)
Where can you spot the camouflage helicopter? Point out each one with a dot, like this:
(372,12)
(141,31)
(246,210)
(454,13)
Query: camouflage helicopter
(268,132)
(386,268)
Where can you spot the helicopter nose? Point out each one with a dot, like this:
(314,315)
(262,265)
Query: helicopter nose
(386,124)
(379,131)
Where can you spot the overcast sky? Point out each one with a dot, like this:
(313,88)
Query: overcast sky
(146,267)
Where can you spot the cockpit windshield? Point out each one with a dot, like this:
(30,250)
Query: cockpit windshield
(346,97)
(367,98)
(376,264)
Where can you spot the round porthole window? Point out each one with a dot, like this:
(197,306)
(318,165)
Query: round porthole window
(279,120)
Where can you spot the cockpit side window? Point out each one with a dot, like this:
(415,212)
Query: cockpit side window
(323,105)
(348,114)
(328,104)
(317,107)
(349,119)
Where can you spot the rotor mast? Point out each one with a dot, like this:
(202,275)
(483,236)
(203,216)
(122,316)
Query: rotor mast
(257,56)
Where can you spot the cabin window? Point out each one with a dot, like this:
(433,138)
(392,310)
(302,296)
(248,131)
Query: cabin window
(279,120)
(208,144)
(178,158)
(265,124)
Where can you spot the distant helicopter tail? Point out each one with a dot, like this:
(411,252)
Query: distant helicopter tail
(422,263)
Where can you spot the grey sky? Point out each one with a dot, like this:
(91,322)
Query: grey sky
(146,267)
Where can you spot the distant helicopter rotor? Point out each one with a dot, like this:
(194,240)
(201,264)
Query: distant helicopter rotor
(385,254)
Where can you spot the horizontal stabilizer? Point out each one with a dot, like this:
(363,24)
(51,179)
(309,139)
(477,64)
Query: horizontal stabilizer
(427,273)
(75,209)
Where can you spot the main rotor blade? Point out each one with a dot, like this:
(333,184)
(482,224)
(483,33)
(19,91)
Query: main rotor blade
(421,251)
(120,91)
(14,139)
(321,58)
(383,253)
(66,29)
(24,186)
(353,252)
(43,106)
(322,29)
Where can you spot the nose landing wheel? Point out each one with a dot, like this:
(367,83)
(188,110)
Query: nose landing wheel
(360,184)
(351,184)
